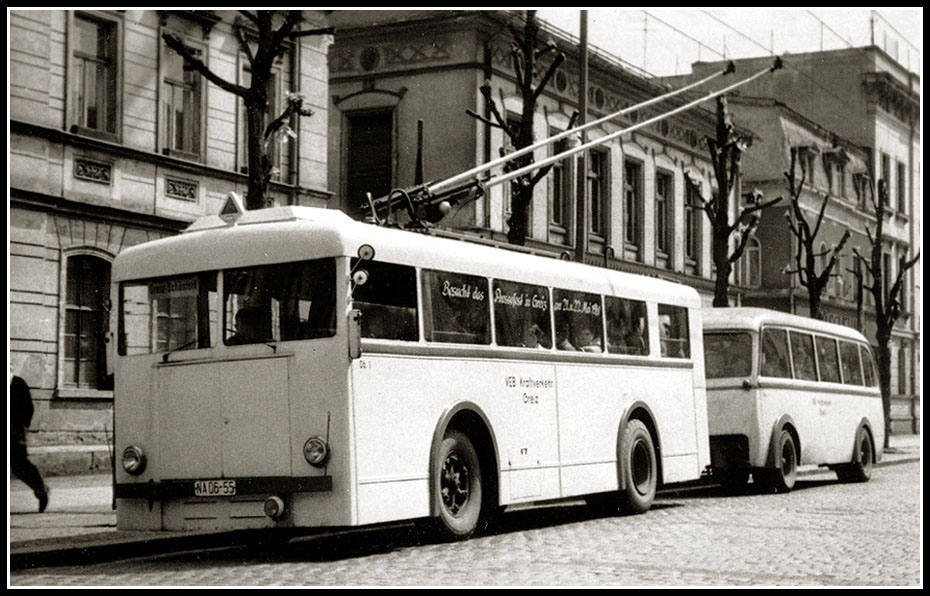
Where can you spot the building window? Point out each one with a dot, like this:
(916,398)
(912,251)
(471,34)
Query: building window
(664,196)
(807,159)
(597,191)
(692,223)
(886,173)
(901,184)
(561,206)
(182,105)
(94,78)
(632,203)
(368,158)
(749,268)
(87,284)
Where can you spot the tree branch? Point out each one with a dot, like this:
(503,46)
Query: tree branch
(549,74)
(198,65)
(311,32)
(243,41)
(820,214)
(482,118)
(753,209)
(250,15)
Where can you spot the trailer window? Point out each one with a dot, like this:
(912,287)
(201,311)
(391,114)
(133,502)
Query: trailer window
(775,359)
(727,355)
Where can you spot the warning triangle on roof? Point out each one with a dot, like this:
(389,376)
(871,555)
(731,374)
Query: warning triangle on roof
(232,208)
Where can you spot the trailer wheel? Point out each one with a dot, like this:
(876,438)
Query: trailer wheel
(783,476)
(860,469)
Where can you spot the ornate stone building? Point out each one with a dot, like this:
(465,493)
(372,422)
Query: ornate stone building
(391,69)
(113,143)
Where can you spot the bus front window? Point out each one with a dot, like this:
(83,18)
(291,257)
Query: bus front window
(167,314)
(727,355)
(280,302)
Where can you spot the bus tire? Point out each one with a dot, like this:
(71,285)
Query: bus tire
(458,487)
(860,469)
(639,467)
(783,476)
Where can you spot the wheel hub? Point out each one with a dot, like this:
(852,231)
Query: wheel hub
(454,483)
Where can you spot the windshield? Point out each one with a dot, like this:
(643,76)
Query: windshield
(727,355)
(169,313)
(280,302)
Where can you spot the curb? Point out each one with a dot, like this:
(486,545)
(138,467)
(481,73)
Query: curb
(111,546)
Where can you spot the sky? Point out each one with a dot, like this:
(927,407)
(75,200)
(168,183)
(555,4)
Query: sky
(666,41)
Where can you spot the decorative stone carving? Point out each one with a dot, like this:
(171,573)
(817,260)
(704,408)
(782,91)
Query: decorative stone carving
(94,171)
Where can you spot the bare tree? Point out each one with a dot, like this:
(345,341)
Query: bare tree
(525,52)
(887,298)
(263,36)
(726,150)
(806,256)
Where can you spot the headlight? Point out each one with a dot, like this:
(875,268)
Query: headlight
(133,460)
(316,451)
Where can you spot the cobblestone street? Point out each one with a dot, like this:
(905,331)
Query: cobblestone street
(822,534)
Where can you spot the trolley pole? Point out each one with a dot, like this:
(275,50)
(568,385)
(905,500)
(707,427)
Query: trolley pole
(581,172)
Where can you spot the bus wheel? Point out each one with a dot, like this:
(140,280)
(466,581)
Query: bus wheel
(860,470)
(640,469)
(781,479)
(458,486)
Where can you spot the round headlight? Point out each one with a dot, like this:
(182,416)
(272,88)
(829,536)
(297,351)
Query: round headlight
(316,451)
(133,460)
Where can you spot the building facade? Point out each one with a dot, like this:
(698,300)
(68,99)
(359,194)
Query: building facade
(112,143)
(867,97)
(391,69)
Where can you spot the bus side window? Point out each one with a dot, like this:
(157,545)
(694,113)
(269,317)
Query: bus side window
(775,361)
(456,308)
(868,366)
(626,326)
(522,317)
(802,354)
(828,359)
(849,357)
(578,321)
(388,301)
(673,331)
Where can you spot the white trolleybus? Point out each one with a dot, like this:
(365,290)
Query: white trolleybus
(293,368)
(785,391)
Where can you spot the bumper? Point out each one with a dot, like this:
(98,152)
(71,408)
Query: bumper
(177,489)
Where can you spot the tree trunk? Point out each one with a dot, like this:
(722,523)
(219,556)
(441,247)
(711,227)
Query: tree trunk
(814,293)
(721,249)
(883,337)
(520,200)
(258,164)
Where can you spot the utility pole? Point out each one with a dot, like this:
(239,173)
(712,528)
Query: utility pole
(581,172)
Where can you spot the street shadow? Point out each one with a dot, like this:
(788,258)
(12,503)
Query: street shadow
(352,543)
(751,489)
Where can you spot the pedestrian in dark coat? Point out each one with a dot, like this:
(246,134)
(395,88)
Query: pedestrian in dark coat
(21,411)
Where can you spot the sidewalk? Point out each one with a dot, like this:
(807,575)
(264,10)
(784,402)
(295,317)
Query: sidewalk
(80,523)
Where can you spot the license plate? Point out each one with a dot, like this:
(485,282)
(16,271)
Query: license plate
(214,488)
